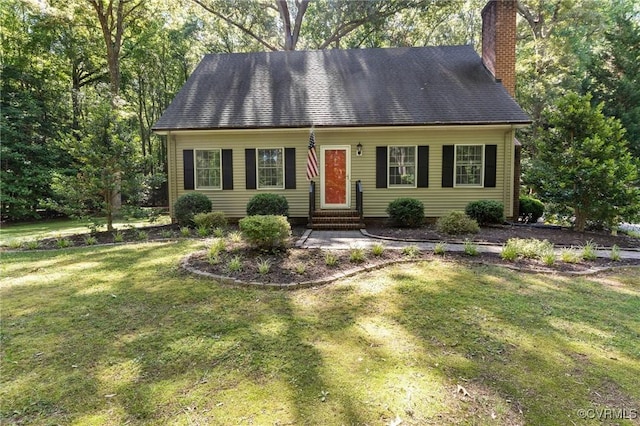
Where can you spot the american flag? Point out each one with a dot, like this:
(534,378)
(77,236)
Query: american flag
(312,158)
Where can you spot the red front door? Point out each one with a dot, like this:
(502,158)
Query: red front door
(335,177)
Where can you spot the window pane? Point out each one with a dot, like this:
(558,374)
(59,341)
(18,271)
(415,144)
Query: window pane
(271,168)
(402,165)
(469,165)
(208,169)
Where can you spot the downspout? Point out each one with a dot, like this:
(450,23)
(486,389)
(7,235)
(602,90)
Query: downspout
(517,169)
(173,182)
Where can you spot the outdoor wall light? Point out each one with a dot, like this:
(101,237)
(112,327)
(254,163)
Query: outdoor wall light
(359,149)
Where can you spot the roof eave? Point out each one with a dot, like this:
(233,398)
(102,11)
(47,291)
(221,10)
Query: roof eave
(515,124)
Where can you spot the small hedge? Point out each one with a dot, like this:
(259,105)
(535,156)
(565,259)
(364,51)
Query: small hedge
(268,204)
(531,209)
(485,212)
(188,205)
(407,212)
(457,223)
(266,232)
(210,220)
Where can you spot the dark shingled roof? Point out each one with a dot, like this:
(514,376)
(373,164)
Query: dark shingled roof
(337,88)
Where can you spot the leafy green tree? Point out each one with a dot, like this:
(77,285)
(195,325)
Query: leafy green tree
(584,163)
(552,53)
(290,25)
(103,156)
(114,17)
(32,102)
(613,75)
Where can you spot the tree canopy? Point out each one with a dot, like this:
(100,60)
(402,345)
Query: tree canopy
(584,163)
(59,55)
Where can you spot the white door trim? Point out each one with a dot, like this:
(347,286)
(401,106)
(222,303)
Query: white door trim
(347,149)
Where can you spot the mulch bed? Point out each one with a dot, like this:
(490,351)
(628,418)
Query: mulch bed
(560,237)
(308,265)
(150,233)
(284,265)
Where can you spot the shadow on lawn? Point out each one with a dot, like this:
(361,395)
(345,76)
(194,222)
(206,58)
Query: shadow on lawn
(111,330)
(548,347)
(120,334)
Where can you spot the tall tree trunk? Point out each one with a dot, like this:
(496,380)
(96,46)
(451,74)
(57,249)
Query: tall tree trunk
(291,34)
(112,19)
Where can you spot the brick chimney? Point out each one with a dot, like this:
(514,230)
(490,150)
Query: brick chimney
(499,41)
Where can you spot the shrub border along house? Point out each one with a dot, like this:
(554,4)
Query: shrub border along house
(486,212)
(268,204)
(266,232)
(406,212)
(190,204)
(531,209)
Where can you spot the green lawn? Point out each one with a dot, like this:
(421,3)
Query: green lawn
(115,335)
(54,228)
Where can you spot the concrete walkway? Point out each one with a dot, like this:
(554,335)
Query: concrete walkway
(343,240)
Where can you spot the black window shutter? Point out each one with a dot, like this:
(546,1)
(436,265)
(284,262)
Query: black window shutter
(490,165)
(381,167)
(289,168)
(423,167)
(250,167)
(227,169)
(187,157)
(448,152)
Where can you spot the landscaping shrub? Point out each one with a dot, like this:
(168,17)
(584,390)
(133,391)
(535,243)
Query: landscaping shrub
(210,220)
(411,251)
(267,232)
(456,223)
(531,209)
(470,248)
(440,248)
(356,255)
(528,248)
(190,204)
(268,204)
(407,212)
(485,212)
(377,249)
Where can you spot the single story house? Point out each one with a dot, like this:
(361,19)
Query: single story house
(433,123)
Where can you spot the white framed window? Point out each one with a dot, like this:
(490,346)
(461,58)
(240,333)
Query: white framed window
(402,166)
(469,165)
(208,169)
(270,167)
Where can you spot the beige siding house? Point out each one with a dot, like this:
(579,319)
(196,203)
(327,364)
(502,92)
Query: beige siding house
(432,123)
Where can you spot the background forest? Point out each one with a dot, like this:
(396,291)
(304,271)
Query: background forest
(83,81)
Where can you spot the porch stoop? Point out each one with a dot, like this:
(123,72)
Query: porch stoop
(336,219)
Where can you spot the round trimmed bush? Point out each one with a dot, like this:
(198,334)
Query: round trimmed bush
(457,223)
(407,212)
(268,204)
(485,212)
(266,232)
(210,220)
(531,209)
(189,205)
